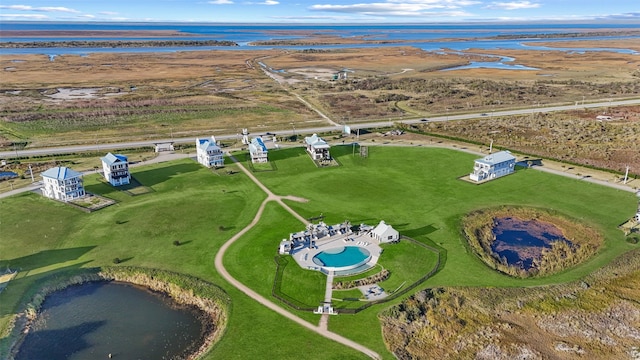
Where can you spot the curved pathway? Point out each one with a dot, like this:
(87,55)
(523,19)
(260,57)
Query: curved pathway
(261,299)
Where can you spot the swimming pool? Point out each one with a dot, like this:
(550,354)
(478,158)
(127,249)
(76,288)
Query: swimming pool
(342,258)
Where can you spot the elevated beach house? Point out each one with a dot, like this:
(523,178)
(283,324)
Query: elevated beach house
(317,148)
(258,150)
(116,169)
(209,153)
(493,166)
(62,183)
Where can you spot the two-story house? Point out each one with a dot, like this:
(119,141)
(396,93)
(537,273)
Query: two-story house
(209,153)
(493,166)
(258,150)
(116,169)
(317,148)
(62,183)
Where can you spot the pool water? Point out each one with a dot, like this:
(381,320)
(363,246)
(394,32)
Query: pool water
(347,256)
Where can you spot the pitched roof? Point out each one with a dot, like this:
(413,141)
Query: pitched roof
(206,144)
(258,144)
(497,158)
(61,173)
(111,159)
(316,142)
(383,228)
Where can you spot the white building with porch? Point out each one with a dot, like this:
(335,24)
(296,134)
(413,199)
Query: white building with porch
(209,153)
(493,166)
(116,169)
(384,233)
(258,151)
(62,183)
(317,148)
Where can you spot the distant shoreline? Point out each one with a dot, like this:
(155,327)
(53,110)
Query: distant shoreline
(114,44)
(91,33)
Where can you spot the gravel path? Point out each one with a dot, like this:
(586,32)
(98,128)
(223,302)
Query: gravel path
(321,330)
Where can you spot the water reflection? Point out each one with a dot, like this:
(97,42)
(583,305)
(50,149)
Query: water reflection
(93,320)
(521,242)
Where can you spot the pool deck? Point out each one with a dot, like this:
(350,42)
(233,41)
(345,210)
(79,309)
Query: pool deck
(304,256)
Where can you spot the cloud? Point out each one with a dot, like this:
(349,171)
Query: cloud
(108,13)
(514,5)
(220,2)
(24,16)
(401,8)
(266,2)
(629,15)
(41,9)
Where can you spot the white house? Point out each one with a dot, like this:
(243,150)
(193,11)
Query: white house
(209,153)
(317,148)
(384,233)
(116,169)
(493,165)
(258,150)
(61,183)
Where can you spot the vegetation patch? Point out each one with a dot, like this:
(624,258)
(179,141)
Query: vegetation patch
(92,202)
(596,317)
(369,280)
(542,243)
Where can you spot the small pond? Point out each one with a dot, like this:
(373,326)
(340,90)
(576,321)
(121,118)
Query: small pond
(93,320)
(521,242)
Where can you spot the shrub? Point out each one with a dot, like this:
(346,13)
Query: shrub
(116,260)
(176,242)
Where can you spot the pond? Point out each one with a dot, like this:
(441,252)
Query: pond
(93,320)
(521,242)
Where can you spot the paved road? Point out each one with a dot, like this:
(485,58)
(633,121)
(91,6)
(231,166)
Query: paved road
(219,264)
(143,143)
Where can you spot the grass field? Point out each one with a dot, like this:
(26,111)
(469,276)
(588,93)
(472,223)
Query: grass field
(414,189)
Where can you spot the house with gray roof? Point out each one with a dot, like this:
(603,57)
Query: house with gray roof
(209,153)
(62,183)
(317,148)
(493,166)
(258,150)
(115,168)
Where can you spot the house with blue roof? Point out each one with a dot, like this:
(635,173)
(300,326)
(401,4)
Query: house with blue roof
(317,148)
(209,153)
(116,169)
(258,151)
(62,183)
(493,166)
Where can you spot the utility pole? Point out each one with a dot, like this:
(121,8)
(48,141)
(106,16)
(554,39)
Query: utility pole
(31,172)
(626,175)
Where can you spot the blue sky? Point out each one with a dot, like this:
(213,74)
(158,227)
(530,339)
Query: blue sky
(319,11)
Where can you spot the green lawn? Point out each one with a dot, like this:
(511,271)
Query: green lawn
(414,189)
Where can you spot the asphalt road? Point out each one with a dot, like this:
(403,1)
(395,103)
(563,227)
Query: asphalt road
(377,124)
